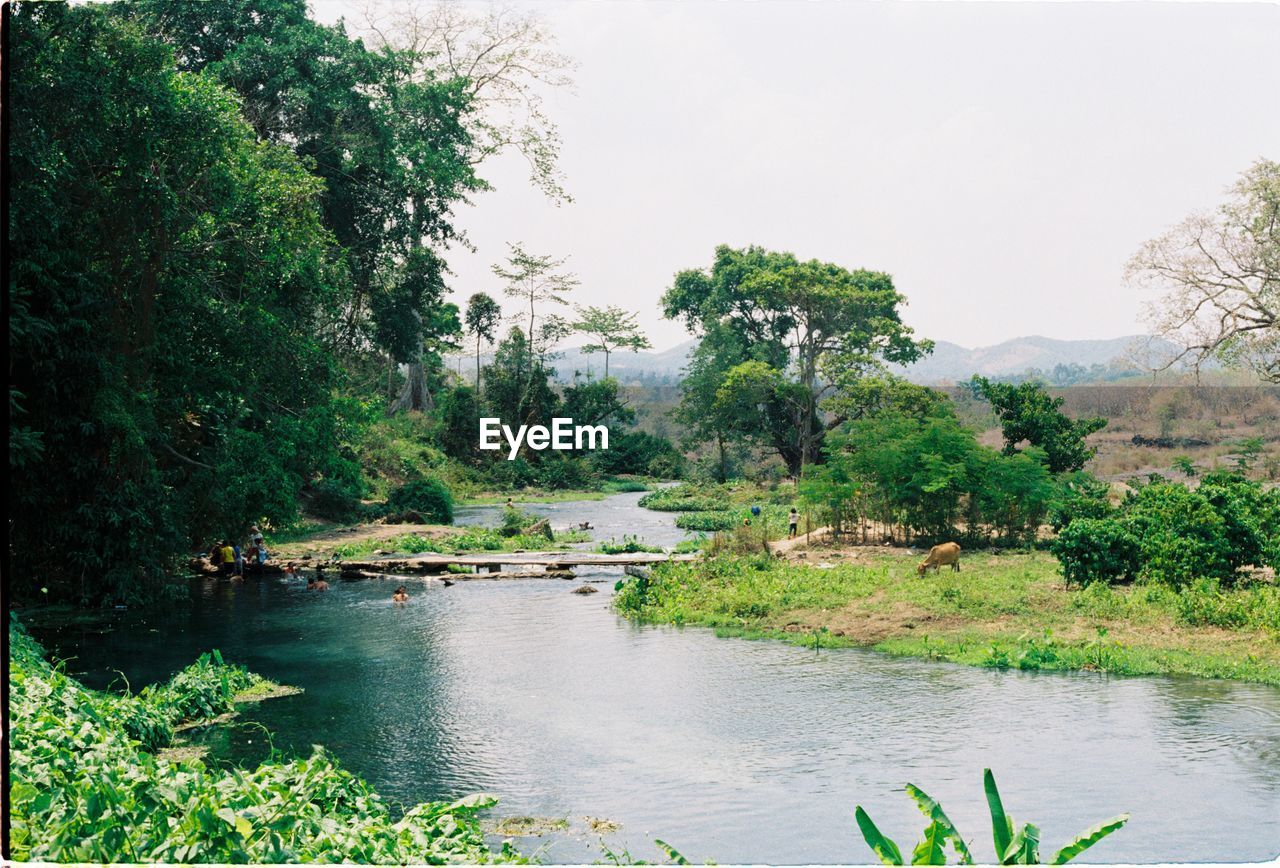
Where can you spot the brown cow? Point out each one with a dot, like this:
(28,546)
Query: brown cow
(939,555)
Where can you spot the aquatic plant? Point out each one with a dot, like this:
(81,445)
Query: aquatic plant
(85,787)
(630,544)
(1020,847)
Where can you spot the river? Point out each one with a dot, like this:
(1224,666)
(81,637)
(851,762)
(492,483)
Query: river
(731,750)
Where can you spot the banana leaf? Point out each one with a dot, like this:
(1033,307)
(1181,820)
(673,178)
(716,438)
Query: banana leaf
(1088,838)
(1001,825)
(672,853)
(1024,849)
(931,809)
(883,847)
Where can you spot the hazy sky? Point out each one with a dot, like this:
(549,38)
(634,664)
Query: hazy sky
(1001,161)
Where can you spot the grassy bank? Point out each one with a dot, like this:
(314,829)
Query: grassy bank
(1006,611)
(93,780)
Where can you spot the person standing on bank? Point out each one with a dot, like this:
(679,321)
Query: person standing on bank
(793,523)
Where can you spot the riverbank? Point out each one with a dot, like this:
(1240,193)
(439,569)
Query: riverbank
(95,778)
(1007,610)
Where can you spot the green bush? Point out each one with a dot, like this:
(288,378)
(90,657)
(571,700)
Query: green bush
(707,521)
(429,497)
(1181,536)
(1081,497)
(1176,535)
(683,498)
(1096,550)
(334,500)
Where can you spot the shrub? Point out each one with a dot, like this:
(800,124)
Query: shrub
(1204,603)
(683,498)
(558,471)
(430,497)
(334,500)
(706,521)
(1096,550)
(635,452)
(1081,497)
(1181,535)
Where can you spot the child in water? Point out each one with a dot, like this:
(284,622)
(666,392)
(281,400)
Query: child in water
(400,596)
(317,584)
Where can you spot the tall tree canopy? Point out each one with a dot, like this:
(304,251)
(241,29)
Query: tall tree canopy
(174,283)
(807,330)
(388,135)
(1220,278)
(610,328)
(483,317)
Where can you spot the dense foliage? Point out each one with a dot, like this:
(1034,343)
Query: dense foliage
(173,281)
(778,336)
(1030,414)
(1170,533)
(85,786)
(928,478)
(227,230)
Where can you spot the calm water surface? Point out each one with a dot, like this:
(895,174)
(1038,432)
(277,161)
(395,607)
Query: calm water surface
(730,750)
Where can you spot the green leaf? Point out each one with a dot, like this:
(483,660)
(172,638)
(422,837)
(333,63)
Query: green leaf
(1001,825)
(1088,838)
(883,847)
(672,853)
(930,850)
(931,809)
(1024,849)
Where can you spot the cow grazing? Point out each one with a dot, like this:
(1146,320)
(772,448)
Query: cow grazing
(940,555)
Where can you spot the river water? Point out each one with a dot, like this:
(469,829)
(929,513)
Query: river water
(730,750)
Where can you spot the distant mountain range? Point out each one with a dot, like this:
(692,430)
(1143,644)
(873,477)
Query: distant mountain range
(948,363)
(952,362)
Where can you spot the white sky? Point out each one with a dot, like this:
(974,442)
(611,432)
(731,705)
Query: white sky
(1002,161)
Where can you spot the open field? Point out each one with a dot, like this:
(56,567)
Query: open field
(1002,610)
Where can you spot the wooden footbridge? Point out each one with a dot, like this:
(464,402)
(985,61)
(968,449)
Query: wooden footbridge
(485,564)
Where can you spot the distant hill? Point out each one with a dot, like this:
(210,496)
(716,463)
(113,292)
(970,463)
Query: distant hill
(657,368)
(948,363)
(952,362)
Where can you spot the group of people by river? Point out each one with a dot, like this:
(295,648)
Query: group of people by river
(234,560)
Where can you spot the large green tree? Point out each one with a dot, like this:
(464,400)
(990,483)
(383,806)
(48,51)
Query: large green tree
(176,284)
(817,328)
(387,134)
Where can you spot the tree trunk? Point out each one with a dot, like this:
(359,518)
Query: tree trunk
(477,364)
(414,395)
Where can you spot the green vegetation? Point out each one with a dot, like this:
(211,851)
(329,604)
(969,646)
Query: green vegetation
(927,478)
(777,333)
(1000,611)
(1028,413)
(471,539)
(86,784)
(1169,533)
(1021,847)
(628,545)
(229,297)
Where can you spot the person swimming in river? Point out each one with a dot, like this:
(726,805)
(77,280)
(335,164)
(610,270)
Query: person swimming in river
(510,504)
(400,596)
(315,583)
